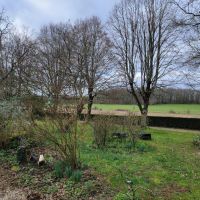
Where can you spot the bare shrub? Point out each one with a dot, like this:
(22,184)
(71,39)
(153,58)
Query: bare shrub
(61,132)
(102,126)
(133,126)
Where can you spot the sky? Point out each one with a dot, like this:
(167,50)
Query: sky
(33,14)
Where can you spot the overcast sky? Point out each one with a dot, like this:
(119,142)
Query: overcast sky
(34,13)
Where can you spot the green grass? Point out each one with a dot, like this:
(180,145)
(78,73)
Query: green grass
(160,108)
(168,165)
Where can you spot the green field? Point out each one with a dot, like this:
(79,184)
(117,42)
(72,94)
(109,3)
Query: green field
(193,109)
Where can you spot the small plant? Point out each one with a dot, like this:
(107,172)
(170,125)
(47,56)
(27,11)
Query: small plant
(143,147)
(59,169)
(62,169)
(76,176)
(68,171)
(89,186)
(121,196)
(196,141)
(51,189)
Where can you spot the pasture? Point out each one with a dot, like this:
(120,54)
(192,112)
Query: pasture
(186,109)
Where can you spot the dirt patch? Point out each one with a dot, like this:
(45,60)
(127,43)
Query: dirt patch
(172,189)
(7,192)
(33,182)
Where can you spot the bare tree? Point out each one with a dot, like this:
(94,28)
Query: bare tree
(22,49)
(51,69)
(94,56)
(5,26)
(188,21)
(16,61)
(72,59)
(144,44)
(189,13)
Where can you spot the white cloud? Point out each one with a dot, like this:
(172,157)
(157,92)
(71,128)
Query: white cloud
(42,5)
(35,13)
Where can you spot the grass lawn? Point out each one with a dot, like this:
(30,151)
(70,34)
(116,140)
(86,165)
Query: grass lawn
(160,108)
(168,165)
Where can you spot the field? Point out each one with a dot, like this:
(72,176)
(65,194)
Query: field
(165,168)
(186,109)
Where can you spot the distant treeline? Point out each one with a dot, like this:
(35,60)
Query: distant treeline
(161,96)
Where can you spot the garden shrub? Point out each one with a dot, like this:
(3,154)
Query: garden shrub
(101,128)
(60,132)
(133,126)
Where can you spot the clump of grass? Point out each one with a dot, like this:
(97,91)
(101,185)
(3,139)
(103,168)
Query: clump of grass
(59,169)
(196,141)
(172,112)
(68,171)
(143,147)
(62,169)
(76,176)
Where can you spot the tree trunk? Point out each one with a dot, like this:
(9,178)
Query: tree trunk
(80,107)
(144,119)
(54,108)
(144,113)
(90,102)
